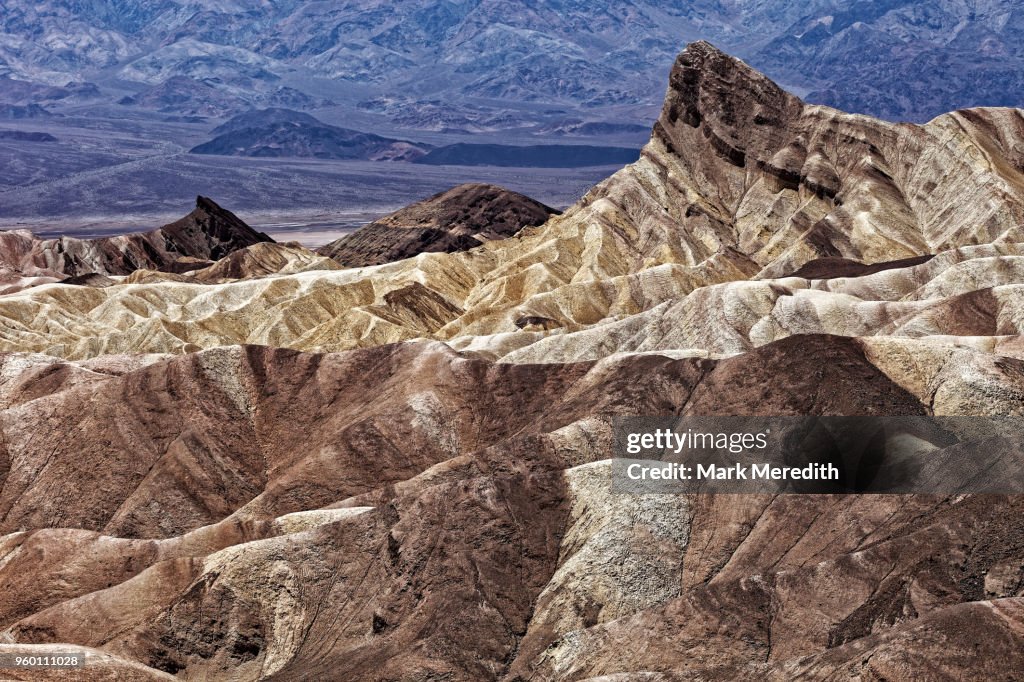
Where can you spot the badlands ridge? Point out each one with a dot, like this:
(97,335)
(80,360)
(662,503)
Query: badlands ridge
(239,473)
(691,248)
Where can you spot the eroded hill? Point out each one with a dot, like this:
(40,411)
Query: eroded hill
(740,187)
(245,477)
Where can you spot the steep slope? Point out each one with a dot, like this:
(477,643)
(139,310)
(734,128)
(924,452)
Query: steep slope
(253,262)
(740,186)
(407,511)
(458,219)
(261,260)
(207,233)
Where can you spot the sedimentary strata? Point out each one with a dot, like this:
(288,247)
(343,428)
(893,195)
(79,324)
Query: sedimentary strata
(272,468)
(207,234)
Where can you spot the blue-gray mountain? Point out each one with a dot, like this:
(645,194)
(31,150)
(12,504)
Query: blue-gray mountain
(467,64)
(281,132)
(274,133)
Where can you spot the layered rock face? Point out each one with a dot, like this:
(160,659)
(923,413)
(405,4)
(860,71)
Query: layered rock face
(458,219)
(238,473)
(253,262)
(741,186)
(208,233)
(405,512)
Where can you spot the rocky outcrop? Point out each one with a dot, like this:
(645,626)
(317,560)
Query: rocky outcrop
(458,219)
(207,234)
(253,262)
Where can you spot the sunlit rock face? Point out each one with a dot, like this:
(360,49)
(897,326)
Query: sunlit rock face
(276,467)
(739,225)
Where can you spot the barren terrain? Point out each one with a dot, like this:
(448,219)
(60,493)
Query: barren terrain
(277,468)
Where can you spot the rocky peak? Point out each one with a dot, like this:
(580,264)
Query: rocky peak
(206,234)
(471,208)
(209,231)
(457,219)
(738,110)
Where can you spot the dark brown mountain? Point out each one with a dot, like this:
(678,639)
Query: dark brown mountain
(206,234)
(279,132)
(458,219)
(209,232)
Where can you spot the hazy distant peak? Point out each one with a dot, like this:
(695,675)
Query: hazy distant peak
(265,117)
(279,132)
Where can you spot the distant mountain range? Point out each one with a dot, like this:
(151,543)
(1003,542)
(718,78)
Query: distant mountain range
(281,132)
(274,133)
(492,64)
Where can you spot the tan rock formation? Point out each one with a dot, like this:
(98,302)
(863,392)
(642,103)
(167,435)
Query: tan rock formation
(741,183)
(330,505)
(260,513)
